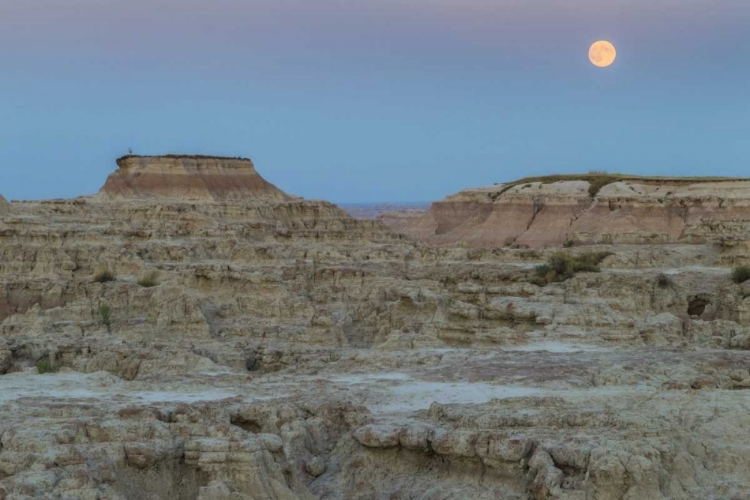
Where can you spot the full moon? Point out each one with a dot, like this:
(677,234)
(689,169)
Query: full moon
(602,54)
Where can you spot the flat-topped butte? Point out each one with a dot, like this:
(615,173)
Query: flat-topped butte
(189,177)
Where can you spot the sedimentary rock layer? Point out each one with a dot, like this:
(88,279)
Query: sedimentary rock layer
(283,350)
(632,211)
(189,178)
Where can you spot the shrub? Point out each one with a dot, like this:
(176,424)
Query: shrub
(563,266)
(569,243)
(663,280)
(589,261)
(44,365)
(104,275)
(105,313)
(332,357)
(149,279)
(740,274)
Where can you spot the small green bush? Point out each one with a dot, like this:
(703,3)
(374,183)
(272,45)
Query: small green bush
(149,279)
(44,365)
(740,274)
(663,280)
(569,243)
(105,314)
(563,266)
(104,275)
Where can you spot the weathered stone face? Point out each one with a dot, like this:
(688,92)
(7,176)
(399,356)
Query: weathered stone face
(624,212)
(282,350)
(189,178)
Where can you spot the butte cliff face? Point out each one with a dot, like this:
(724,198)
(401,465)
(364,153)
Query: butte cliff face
(625,210)
(182,177)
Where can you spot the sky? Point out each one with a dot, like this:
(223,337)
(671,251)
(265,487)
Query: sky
(359,101)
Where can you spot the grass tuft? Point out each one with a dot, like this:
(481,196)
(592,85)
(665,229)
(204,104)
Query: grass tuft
(149,279)
(664,281)
(105,316)
(104,275)
(44,365)
(563,266)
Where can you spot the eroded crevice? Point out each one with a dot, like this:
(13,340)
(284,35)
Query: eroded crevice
(166,480)
(246,425)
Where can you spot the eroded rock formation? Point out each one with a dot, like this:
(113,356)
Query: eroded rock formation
(182,177)
(538,213)
(279,349)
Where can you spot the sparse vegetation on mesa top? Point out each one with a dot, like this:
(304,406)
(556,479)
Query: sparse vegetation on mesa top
(104,275)
(183,157)
(740,274)
(563,266)
(149,279)
(598,179)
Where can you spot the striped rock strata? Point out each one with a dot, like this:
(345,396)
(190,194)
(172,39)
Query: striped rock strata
(630,211)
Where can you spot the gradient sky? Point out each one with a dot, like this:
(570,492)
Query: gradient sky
(377,100)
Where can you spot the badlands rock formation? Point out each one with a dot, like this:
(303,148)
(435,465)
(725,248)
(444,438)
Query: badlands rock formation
(550,211)
(284,351)
(373,210)
(188,178)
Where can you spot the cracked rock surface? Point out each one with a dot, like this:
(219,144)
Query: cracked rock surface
(284,351)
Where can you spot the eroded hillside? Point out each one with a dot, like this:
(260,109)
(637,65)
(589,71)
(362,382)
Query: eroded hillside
(584,209)
(245,346)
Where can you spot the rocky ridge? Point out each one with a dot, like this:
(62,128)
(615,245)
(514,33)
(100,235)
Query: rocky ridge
(576,209)
(285,350)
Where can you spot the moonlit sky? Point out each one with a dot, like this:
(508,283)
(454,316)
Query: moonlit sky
(377,100)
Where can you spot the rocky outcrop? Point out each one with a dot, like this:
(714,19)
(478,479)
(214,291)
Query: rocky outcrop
(419,225)
(185,178)
(627,211)
(280,349)
(373,210)
(4,205)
